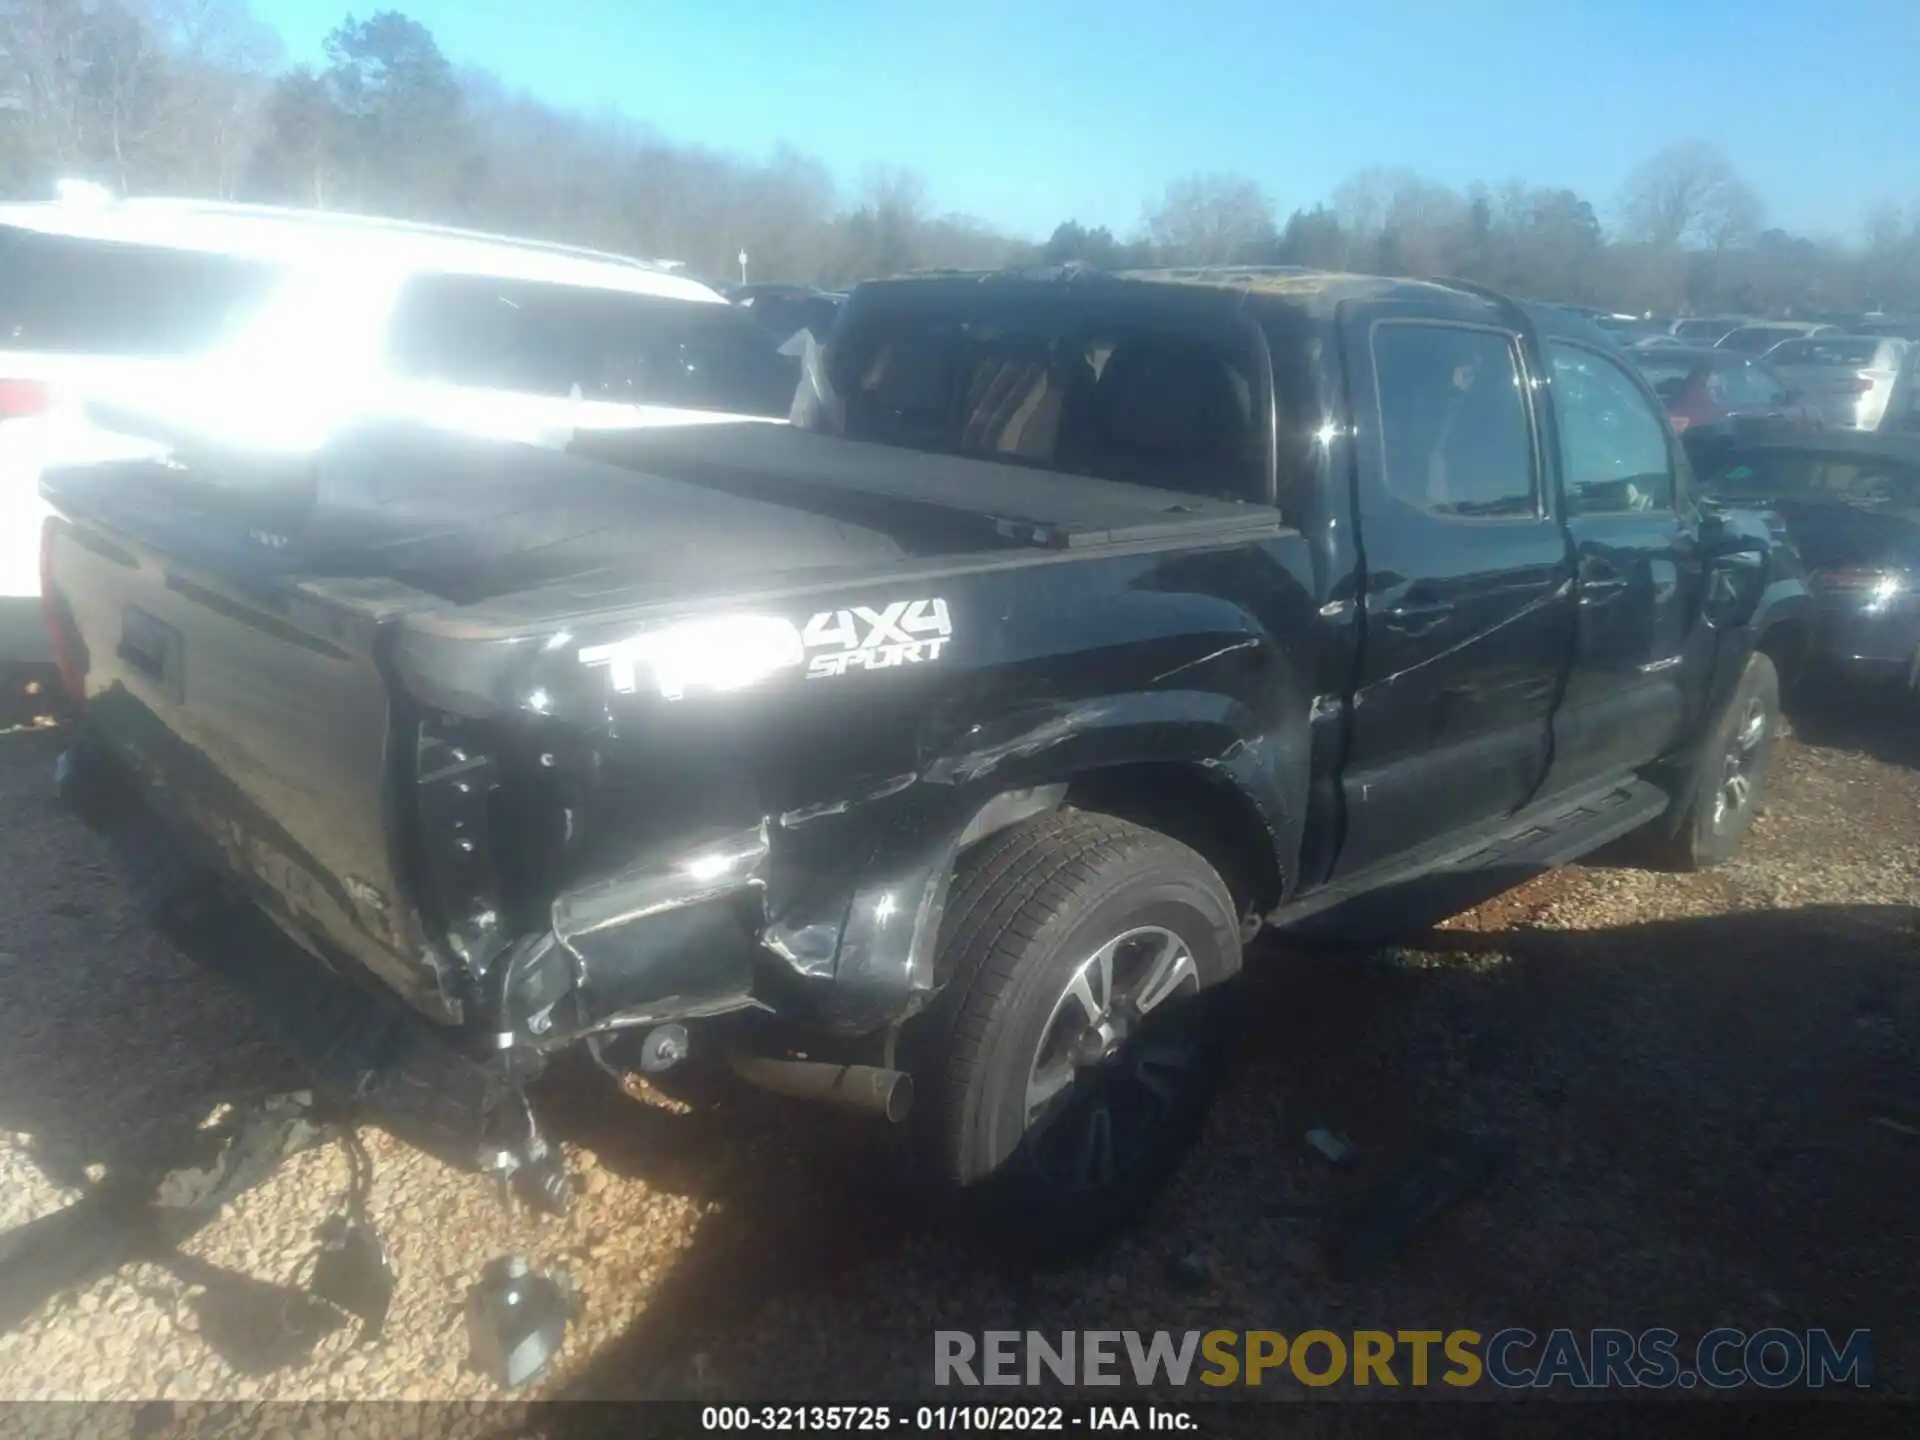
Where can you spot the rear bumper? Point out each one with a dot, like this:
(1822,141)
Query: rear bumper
(634,950)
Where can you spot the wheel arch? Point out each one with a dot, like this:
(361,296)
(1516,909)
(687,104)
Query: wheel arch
(1202,808)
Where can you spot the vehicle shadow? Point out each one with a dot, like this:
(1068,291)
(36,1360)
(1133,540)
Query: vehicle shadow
(1683,1122)
(114,1050)
(1882,721)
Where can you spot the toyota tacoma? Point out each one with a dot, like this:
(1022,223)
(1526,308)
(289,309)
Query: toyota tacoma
(941,753)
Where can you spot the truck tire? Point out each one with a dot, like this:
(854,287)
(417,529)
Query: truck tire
(1731,786)
(1077,1047)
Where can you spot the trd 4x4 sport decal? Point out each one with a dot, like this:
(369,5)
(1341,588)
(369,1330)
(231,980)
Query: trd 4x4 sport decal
(907,632)
(730,652)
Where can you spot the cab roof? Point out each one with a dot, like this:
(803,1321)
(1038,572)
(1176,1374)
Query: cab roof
(316,239)
(1316,292)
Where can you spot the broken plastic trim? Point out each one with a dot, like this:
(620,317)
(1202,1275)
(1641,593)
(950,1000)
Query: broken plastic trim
(883,969)
(639,891)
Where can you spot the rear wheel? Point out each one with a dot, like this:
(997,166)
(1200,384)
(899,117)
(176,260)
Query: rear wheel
(1731,785)
(1074,1053)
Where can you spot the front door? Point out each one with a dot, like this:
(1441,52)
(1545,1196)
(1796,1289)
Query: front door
(1467,620)
(1634,689)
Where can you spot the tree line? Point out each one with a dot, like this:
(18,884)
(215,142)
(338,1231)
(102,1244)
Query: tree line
(194,97)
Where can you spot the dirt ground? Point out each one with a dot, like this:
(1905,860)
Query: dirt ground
(1704,1092)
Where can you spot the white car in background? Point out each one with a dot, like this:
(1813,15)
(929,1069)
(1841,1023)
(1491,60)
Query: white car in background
(1856,382)
(271,327)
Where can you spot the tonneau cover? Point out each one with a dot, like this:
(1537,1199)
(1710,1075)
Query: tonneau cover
(1038,507)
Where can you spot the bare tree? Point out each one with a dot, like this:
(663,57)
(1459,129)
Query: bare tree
(222,59)
(1732,215)
(46,80)
(189,95)
(1360,201)
(1688,192)
(882,234)
(1211,220)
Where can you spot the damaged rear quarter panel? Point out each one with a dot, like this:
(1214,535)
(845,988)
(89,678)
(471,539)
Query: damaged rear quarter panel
(976,696)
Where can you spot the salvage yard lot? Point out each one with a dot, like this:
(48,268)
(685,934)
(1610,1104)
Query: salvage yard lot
(1706,1090)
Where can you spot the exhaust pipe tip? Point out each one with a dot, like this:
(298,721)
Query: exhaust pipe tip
(871,1089)
(899,1101)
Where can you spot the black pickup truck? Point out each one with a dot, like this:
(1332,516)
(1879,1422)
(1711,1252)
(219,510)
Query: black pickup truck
(937,753)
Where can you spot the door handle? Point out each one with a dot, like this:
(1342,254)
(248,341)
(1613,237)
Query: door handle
(1416,619)
(1597,589)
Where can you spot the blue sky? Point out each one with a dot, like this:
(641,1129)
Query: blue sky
(1026,114)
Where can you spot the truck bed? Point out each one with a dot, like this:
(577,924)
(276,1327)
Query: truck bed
(276,649)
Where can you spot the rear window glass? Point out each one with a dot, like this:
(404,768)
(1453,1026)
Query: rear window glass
(100,297)
(545,339)
(1141,398)
(1826,352)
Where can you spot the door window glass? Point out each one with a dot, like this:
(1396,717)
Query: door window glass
(1614,454)
(1453,421)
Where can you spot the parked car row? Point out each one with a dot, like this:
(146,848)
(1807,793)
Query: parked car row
(1816,421)
(1806,377)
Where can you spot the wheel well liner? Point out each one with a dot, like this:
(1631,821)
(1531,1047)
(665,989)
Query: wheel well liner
(1787,642)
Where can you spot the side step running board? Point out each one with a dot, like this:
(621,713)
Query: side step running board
(1542,838)
(1568,834)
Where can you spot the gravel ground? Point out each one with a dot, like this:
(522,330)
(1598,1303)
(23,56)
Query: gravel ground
(1704,1088)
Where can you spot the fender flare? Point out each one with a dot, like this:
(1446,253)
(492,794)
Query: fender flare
(863,934)
(1784,601)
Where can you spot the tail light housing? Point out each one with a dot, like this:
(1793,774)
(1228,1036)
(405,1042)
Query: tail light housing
(24,399)
(72,676)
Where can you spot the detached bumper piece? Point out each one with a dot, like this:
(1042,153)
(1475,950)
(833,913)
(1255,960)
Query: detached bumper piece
(370,1060)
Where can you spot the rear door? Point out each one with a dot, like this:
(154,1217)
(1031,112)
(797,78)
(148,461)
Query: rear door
(1633,691)
(1467,605)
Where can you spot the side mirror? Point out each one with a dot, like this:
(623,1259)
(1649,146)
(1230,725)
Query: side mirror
(1738,546)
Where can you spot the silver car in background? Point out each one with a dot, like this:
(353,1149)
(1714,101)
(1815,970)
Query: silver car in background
(1761,337)
(1706,329)
(1854,382)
